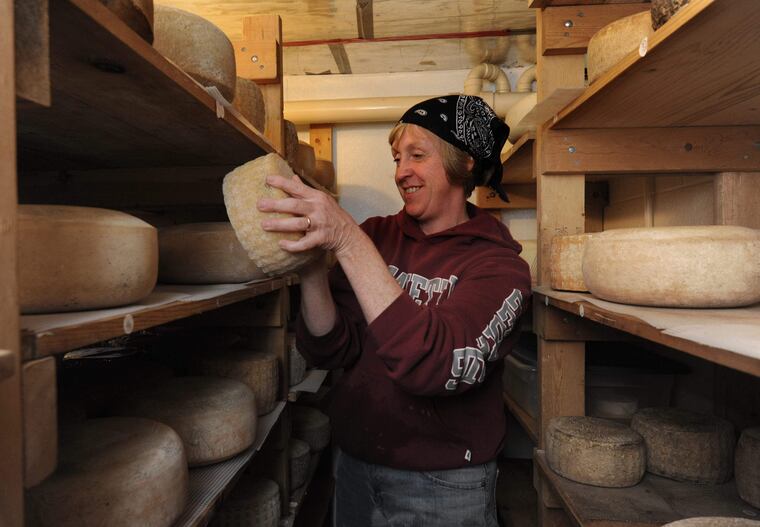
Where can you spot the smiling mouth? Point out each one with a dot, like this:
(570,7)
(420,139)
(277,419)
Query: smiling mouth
(411,190)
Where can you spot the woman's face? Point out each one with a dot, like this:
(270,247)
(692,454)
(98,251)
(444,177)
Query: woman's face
(421,180)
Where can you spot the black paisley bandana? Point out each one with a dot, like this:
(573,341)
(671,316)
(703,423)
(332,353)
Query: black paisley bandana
(469,124)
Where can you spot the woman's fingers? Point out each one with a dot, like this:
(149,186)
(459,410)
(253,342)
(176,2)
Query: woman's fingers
(293,186)
(294,224)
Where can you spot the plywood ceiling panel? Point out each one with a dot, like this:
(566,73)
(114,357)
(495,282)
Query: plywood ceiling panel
(309,60)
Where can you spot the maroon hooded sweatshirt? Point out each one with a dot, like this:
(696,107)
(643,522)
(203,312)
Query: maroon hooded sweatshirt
(422,386)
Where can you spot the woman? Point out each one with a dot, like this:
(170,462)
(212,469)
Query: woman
(419,312)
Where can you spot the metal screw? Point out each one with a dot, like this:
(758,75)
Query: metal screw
(571,149)
(255,58)
(568,23)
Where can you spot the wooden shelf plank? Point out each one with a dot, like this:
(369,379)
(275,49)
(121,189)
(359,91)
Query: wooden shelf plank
(518,161)
(117,102)
(540,4)
(527,421)
(695,73)
(652,502)
(692,331)
(44,335)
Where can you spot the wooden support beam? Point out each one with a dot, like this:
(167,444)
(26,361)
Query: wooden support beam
(736,199)
(40,420)
(365,19)
(597,198)
(521,196)
(537,4)
(32,51)
(320,139)
(651,150)
(341,58)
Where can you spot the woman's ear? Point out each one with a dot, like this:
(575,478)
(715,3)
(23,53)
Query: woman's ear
(470,163)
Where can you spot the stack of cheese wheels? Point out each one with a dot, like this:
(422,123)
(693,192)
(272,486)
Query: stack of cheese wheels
(595,451)
(253,501)
(197,46)
(566,262)
(305,160)
(75,258)
(746,466)
(203,253)
(297,362)
(256,369)
(116,472)
(137,14)
(709,266)
(215,417)
(312,426)
(324,173)
(300,454)
(250,101)
(686,446)
(713,521)
(515,115)
(291,142)
(243,187)
(663,10)
(614,41)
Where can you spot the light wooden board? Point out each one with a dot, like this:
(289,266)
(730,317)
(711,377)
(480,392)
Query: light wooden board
(32,51)
(517,162)
(549,3)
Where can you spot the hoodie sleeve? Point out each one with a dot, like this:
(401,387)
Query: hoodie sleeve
(451,347)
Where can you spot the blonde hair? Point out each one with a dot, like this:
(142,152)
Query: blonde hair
(455,161)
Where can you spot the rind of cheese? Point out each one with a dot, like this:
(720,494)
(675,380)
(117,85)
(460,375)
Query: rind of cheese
(253,501)
(613,42)
(243,187)
(747,466)
(686,446)
(707,266)
(300,455)
(297,362)
(137,14)
(250,102)
(714,521)
(305,161)
(566,262)
(203,253)
(595,451)
(291,142)
(312,426)
(663,10)
(118,472)
(77,258)
(324,173)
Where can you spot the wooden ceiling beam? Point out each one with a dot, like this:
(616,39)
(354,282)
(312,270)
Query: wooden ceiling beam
(364,19)
(341,58)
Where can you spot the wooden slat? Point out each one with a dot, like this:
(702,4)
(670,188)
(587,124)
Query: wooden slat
(550,3)
(551,323)
(736,199)
(521,196)
(40,420)
(695,73)
(32,51)
(364,19)
(568,29)
(320,138)
(518,161)
(341,58)
(652,150)
(527,421)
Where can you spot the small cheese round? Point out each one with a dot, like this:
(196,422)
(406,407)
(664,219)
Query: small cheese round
(613,42)
(566,262)
(77,258)
(250,102)
(197,46)
(713,521)
(300,455)
(312,426)
(215,417)
(747,466)
(662,10)
(297,362)
(137,14)
(686,446)
(324,173)
(253,501)
(243,187)
(203,253)
(116,472)
(305,162)
(595,451)
(675,266)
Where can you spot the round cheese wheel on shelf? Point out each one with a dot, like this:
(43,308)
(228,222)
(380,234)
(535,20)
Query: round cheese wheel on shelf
(515,115)
(300,455)
(566,262)
(312,426)
(686,446)
(116,472)
(709,266)
(203,253)
(291,142)
(215,417)
(197,46)
(243,187)
(613,42)
(663,10)
(77,258)
(324,173)
(713,521)
(305,159)
(256,369)
(255,501)
(297,362)
(747,466)
(595,451)
(137,14)
(250,101)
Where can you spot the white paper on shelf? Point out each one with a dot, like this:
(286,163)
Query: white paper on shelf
(197,293)
(310,383)
(265,424)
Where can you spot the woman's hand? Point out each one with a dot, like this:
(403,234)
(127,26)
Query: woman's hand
(316,214)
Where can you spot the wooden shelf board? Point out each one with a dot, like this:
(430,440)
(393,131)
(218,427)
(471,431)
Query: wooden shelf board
(695,72)
(728,323)
(44,335)
(518,161)
(117,102)
(539,4)
(527,421)
(653,502)
(209,484)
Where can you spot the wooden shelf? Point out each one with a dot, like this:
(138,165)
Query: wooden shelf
(527,421)
(653,502)
(518,161)
(44,335)
(695,73)
(554,3)
(729,337)
(117,102)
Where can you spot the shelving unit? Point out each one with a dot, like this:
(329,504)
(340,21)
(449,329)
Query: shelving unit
(527,421)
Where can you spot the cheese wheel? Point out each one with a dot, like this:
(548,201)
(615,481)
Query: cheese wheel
(613,42)
(566,262)
(595,451)
(709,266)
(297,362)
(686,446)
(77,258)
(312,426)
(291,142)
(255,501)
(137,14)
(215,417)
(747,466)
(203,253)
(243,187)
(515,115)
(118,472)
(663,10)
(324,173)
(299,462)
(306,161)
(197,46)
(256,369)
(713,521)
(250,101)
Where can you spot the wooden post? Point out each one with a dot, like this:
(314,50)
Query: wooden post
(320,138)
(736,197)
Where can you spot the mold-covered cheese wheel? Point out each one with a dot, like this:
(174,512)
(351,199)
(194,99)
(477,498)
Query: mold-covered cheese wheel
(324,173)
(312,426)
(137,14)
(300,455)
(253,501)
(566,262)
(250,101)
(663,10)
(747,466)
(614,41)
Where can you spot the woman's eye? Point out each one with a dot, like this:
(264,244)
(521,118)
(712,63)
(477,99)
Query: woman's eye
(396,160)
